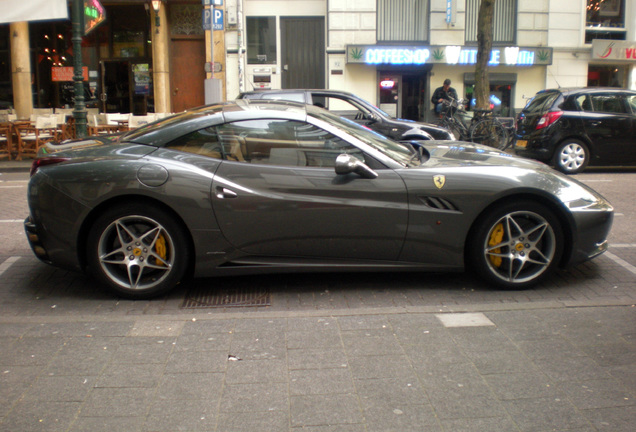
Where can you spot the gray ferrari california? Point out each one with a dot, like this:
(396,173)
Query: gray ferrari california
(261,186)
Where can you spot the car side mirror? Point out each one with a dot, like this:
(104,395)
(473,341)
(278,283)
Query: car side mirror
(346,164)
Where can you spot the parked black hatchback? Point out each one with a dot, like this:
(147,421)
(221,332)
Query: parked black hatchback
(573,128)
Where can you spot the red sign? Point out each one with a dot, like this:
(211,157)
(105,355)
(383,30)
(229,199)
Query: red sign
(66,73)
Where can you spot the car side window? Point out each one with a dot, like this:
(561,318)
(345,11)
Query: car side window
(584,103)
(341,107)
(608,103)
(294,97)
(203,142)
(282,142)
(631,101)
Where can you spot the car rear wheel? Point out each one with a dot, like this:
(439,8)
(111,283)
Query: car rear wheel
(137,251)
(516,245)
(571,157)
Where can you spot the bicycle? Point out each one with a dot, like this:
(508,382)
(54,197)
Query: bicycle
(482,128)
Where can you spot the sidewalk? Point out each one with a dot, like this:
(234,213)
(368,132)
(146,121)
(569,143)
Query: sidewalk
(15,166)
(538,367)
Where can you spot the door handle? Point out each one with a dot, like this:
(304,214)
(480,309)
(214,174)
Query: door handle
(223,193)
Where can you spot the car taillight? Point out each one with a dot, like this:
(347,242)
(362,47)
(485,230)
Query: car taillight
(37,163)
(548,118)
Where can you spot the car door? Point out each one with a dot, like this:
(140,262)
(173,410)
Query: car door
(610,127)
(282,197)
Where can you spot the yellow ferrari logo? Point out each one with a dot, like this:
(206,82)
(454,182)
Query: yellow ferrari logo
(439,181)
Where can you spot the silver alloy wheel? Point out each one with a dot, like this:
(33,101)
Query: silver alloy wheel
(136,252)
(571,157)
(520,247)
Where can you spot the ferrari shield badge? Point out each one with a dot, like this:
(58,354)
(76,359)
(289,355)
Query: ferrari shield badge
(439,181)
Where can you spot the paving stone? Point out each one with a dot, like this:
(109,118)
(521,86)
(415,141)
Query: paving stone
(544,414)
(130,375)
(316,359)
(190,386)
(261,397)
(256,371)
(99,424)
(320,381)
(44,416)
(197,361)
(274,421)
(182,415)
(398,418)
(606,393)
(317,410)
(325,339)
(59,389)
(385,366)
(117,402)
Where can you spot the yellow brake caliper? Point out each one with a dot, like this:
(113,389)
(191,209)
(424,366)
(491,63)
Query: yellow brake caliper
(160,248)
(496,236)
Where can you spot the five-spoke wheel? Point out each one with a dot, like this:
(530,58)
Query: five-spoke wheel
(516,245)
(136,251)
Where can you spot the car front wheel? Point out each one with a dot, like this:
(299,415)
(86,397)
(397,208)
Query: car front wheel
(137,251)
(571,157)
(516,245)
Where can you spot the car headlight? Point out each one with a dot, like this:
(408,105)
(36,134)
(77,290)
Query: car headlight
(576,196)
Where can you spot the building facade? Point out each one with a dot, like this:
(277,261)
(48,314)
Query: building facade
(393,53)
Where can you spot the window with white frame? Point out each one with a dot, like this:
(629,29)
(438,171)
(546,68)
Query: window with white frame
(403,20)
(504,20)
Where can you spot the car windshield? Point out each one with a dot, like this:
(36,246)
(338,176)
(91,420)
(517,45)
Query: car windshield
(401,153)
(541,102)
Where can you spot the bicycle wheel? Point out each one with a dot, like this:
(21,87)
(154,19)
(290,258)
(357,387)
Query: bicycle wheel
(491,133)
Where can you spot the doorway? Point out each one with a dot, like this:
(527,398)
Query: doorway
(115,95)
(403,94)
(187,76)
(303,52)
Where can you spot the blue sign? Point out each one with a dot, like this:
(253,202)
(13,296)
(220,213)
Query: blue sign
(212,19)
(218,19)
(213,2)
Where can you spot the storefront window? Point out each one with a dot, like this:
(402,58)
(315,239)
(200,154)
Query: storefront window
(607,76)
(261,40)
(605,20)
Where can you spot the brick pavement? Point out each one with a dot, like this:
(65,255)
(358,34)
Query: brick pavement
(335,352)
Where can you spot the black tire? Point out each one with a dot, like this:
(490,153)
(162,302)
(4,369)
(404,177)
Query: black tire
(137,251)
(490,133)
(571,156)
(516,245)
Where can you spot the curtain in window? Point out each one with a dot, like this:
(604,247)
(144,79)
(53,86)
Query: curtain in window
(504,20)
(403,20)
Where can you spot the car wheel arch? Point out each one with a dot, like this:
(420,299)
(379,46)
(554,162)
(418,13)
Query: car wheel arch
(93,215)
(566,222)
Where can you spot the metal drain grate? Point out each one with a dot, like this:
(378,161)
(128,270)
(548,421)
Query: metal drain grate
(205,297)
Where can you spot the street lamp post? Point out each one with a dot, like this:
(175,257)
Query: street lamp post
(79,109)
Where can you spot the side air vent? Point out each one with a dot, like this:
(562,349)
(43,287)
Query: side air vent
(439,203)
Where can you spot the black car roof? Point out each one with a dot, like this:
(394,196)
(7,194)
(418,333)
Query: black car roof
(571,90)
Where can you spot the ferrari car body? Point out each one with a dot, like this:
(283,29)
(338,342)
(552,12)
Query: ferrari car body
(262,186)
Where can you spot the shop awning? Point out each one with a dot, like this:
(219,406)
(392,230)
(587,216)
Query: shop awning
(32,10)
